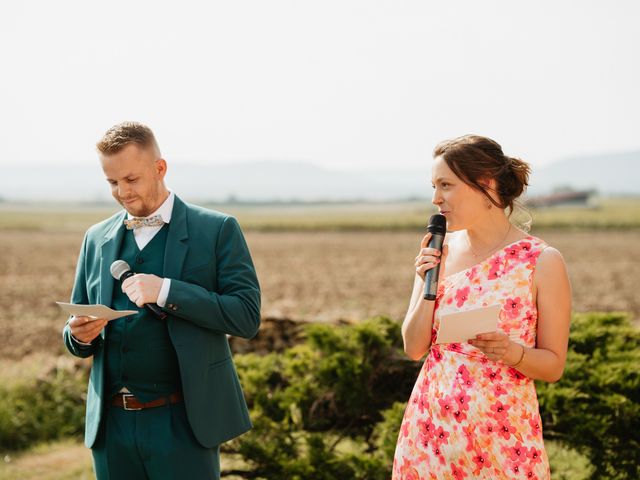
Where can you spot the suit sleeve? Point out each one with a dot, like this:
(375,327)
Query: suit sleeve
(79,295)
(234,308)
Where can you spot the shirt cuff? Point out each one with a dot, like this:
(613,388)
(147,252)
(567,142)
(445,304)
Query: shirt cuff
(164,292)
(79,342)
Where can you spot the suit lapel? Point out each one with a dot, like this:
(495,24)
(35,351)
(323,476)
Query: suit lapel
(177,246)
(108,252)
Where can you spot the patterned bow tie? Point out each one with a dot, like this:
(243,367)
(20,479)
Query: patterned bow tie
(137,222)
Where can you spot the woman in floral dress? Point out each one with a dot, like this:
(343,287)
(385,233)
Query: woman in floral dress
(473,413)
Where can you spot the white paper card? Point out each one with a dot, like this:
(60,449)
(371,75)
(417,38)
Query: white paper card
(94,311)
(462,326)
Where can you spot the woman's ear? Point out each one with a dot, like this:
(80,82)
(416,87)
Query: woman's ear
(489,184)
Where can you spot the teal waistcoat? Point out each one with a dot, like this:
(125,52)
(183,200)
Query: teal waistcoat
(139,352)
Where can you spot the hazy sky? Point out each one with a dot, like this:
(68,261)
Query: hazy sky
(345,84)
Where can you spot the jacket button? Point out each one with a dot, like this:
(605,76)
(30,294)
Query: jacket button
(174,307)
(139,261)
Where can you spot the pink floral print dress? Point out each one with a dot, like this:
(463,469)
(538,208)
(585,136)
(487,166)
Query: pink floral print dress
(469,417)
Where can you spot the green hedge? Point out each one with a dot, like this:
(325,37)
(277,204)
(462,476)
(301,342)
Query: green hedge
(352,383)
(595,407)
(330,407)
(41,409)
(319,407)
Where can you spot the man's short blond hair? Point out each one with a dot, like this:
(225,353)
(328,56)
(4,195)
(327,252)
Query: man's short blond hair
(126,133)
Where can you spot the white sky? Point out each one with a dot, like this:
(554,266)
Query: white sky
(345,84)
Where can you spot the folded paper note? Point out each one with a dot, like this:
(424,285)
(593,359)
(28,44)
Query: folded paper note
(94,311)
(462,326)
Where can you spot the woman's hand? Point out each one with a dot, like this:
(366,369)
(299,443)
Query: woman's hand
(418,322)
(497,347)
(428,258)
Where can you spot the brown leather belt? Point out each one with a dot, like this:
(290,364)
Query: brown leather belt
(129,402)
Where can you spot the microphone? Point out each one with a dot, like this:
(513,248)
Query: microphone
(438,228)
(120,270)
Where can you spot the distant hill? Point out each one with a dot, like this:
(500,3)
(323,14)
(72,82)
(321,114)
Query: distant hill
(266,180)
(286,181)
(617,173)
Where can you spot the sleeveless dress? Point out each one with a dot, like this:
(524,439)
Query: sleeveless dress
(469,417)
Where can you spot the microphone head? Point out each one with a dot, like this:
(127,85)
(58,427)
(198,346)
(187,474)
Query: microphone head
(119,268)
(437,224)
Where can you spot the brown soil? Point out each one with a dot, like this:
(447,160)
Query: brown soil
(311,276)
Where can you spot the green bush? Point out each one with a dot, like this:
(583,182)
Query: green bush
(42,409)
(595,408)
(331,407)
(325,409)
(352,383)
(386,431)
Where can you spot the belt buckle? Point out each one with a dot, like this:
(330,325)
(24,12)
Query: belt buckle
(124,402)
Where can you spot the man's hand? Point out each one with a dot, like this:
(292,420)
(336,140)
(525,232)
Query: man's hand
(85,329)
(142,288)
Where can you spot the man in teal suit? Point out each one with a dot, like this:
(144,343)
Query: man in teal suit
(163,393)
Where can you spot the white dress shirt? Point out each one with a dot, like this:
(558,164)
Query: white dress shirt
(143,236)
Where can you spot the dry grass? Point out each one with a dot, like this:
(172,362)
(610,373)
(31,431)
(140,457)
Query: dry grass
(619,213)
(67,460)
(59,461)
(322,276)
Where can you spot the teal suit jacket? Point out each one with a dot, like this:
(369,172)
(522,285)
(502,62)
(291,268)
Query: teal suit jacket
(214,292)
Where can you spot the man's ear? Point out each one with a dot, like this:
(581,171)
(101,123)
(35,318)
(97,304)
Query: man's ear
(161,167)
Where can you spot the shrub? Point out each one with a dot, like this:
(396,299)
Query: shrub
(42,409)
(316,406)
(352,383)
(330,407)
(595,408)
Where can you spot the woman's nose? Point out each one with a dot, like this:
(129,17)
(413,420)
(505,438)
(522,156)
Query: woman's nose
(435,198)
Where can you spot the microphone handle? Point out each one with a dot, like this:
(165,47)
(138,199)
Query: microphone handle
(431,277)
(152,307)
(156,310)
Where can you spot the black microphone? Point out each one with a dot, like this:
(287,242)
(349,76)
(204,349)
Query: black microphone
(438,228)
(120,270)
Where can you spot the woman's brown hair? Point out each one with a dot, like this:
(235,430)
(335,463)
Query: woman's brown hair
(476,159)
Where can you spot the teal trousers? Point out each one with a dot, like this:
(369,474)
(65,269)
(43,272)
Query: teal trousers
(152,444)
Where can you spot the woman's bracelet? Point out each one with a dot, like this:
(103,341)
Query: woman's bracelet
(521,358)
